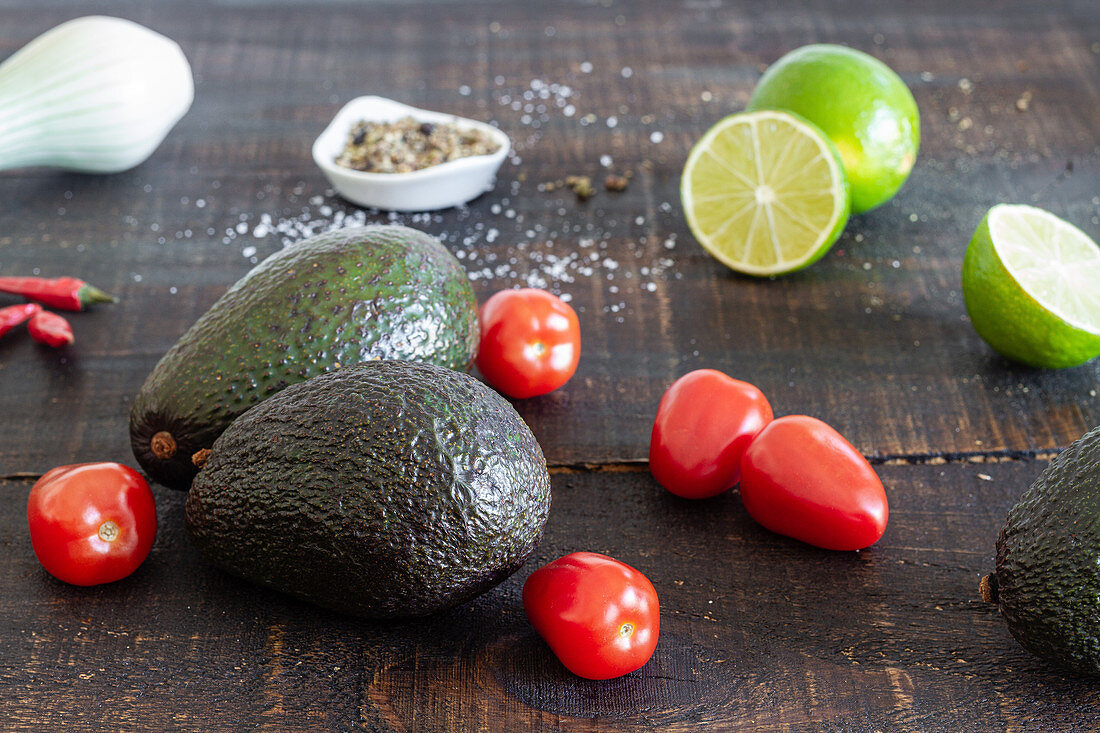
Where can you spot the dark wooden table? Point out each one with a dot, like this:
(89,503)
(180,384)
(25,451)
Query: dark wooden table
(758,632)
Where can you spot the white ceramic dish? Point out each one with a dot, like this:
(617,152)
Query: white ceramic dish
(438,187)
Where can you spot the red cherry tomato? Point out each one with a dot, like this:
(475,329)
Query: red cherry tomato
(530,342)
(599,616)
(704,423)
(91,523)
(801,478)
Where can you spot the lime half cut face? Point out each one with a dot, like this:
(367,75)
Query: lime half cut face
(765,193)
(1052,260)
(1031,282)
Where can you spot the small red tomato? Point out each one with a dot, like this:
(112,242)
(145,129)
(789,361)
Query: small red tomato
(530,342)
(599,616)
(801,478)
(704,423)
(91,523)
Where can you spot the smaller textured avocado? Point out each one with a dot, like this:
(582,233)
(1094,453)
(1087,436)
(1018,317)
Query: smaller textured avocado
(383,490)
(1047,581)
(339,298)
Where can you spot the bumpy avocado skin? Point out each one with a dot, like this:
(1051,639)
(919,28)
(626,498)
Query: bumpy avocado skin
(1048,561)
(384,490)
(345,297)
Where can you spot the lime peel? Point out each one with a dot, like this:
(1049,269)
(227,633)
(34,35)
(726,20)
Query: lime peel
(860,104)
(1031,283)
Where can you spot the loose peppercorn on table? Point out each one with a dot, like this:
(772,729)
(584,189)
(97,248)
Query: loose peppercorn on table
(758,632)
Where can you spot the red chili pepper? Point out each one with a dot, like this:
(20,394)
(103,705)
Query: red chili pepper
(65,293)
(50,329)
(13,315)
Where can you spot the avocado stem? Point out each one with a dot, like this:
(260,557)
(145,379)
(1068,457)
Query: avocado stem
(163,445)
(199,459)
(988,588)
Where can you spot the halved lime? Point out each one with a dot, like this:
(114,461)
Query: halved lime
(765,193)
(1031,283)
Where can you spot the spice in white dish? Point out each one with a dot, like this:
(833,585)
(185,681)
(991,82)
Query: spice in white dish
(408,145)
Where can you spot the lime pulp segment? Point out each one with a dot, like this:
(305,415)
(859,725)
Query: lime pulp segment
(1053,261)
(765,192)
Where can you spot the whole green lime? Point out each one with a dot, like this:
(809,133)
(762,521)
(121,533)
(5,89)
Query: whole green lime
(860,104)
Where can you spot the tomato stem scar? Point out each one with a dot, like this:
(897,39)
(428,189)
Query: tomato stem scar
(108,531)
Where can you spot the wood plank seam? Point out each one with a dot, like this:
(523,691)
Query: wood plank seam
(915,459)
(641,465)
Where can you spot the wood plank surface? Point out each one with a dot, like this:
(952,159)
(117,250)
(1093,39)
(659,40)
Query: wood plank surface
(874,339)
(758,633)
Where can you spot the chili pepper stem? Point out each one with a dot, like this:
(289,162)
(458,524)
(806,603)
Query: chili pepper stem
(89,294)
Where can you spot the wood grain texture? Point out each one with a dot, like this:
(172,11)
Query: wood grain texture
(758,632)
(874,339)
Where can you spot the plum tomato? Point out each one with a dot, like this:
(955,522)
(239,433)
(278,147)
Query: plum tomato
(802,479)
(530,342)
(91,523)
(599,616)
(704,423)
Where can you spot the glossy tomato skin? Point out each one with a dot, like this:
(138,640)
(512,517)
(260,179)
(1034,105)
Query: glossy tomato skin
(530,342)
(704,423)
(802,479)
(91,523)
(600,616)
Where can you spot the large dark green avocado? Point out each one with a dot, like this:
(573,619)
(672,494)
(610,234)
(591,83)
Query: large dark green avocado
(349,296)
(382,490)
(1047,581)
